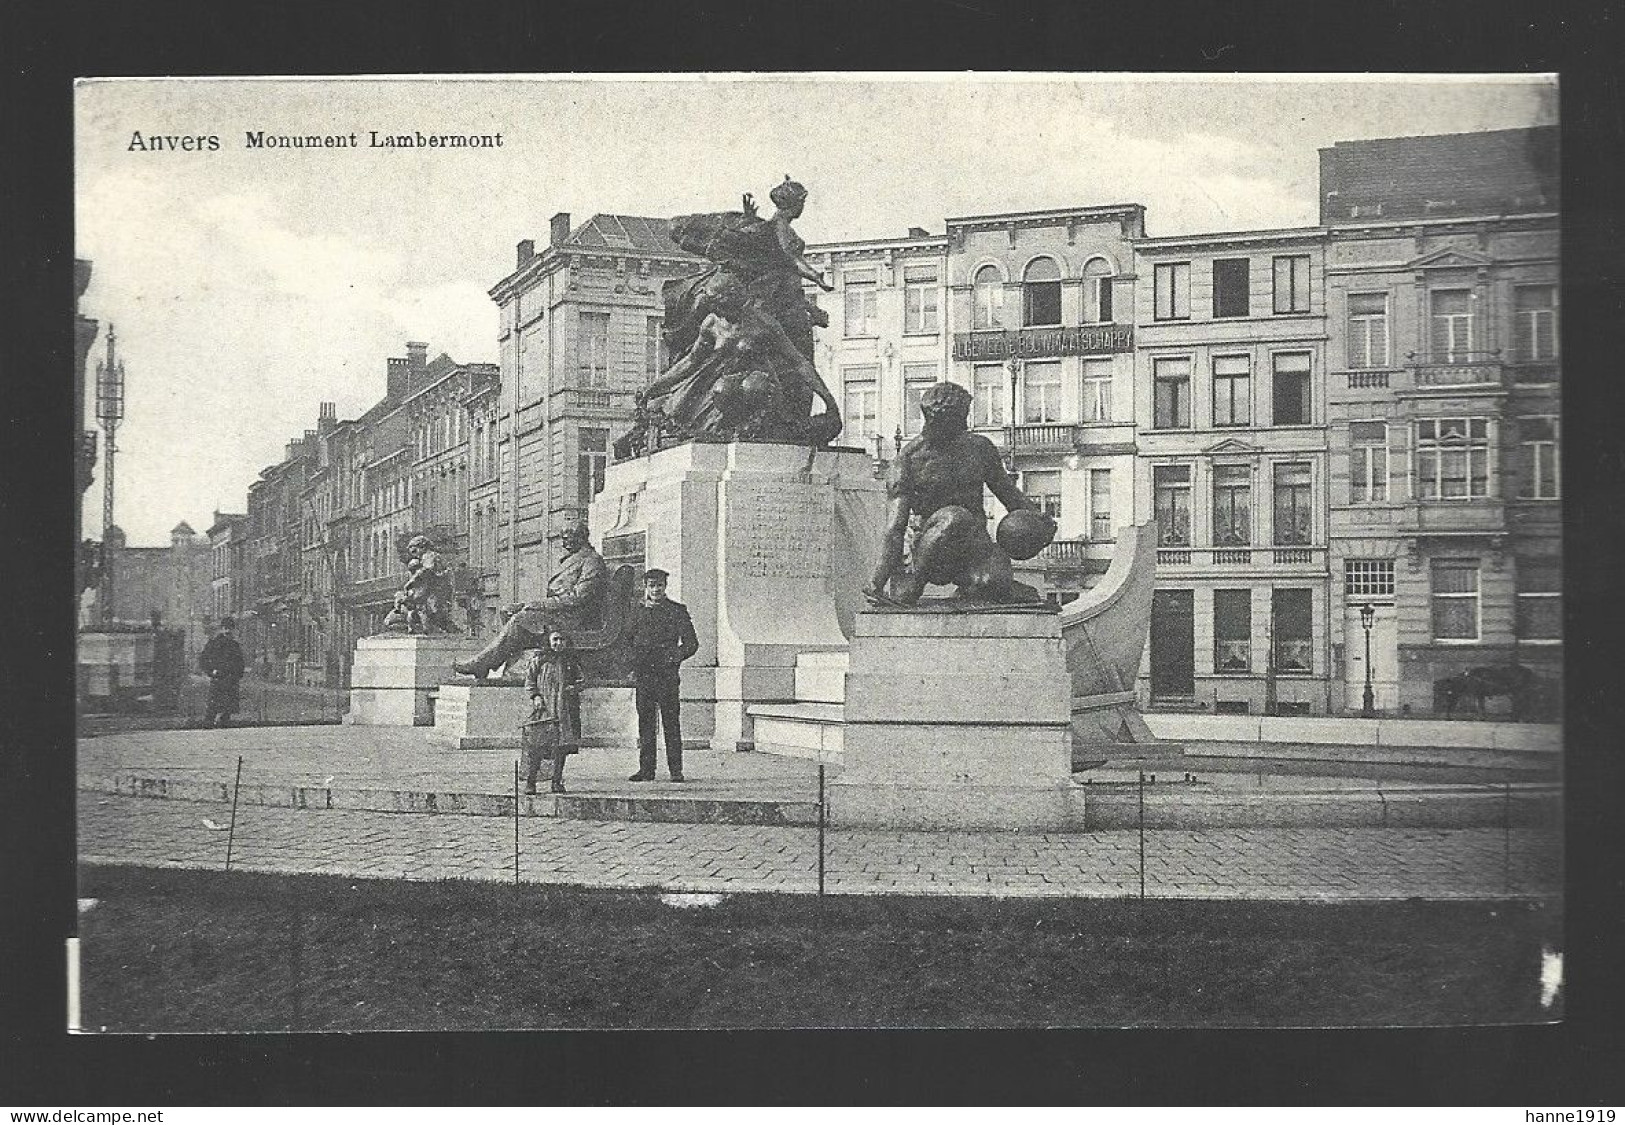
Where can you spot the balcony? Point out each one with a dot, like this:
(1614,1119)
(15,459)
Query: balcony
(1044,437)
(1065,554)
(1232,556)
(1368,380)
(1173,556)
(1220,557)
(1466,369)
(1535,373)
(1293,556)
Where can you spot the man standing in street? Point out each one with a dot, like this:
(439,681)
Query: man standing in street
(222,661)
(662,637)
(573,603)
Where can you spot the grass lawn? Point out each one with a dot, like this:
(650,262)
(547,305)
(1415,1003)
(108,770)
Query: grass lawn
(167,950)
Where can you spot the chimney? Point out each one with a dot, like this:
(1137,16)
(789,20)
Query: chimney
(559,229)
(328,418)
(917,232)
(525,251)
(417,355)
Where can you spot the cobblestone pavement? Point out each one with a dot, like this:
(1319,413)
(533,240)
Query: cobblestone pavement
(1250,863)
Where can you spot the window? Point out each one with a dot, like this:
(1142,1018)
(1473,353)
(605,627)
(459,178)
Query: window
(1172,485)
(1041,293)
(592,349)
(1368,330)
(1368,462)
(1368,578)
(1230,282)
(1232,506)
(1043,488)
(1540,600)
(987,299)
(1292,284)
(1455,599)
(654,347)
(1294,631)
(1172,399)
(862,406)
(1100,505)
(1097,390)
(860,303)
(1232,630)
(1173,291)
(920,299)
(591,460)
(1534,327)
(1292,520)
(987,393)
(1041,391)
(1232,390)
(1452,325)
(1452,459)
(917,379)
(1097,292)
(1537,457)
(1291,398)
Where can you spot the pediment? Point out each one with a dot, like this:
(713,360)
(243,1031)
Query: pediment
(1451,258)
(1233,447)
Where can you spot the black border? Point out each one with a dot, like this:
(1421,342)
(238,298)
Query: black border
(47,44)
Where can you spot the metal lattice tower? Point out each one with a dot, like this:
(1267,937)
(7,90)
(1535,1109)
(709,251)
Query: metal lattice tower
(109,412)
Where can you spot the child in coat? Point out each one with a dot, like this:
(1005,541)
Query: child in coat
(554,683)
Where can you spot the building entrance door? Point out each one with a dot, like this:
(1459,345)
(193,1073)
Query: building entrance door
(1384,659)
(1173,644)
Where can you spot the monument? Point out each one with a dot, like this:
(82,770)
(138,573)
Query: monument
(395,673)
(586,600)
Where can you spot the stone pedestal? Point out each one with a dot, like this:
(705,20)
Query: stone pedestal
(486,716)
(393,675)
(956,721)
(767,546)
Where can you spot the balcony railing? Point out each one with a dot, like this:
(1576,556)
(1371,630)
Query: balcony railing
(1362,380)
(1064,553)
(1173,556)
(1232,556)
(1467,369)
(1535,371)
(1044,436)
(1239,556)
(1293,556)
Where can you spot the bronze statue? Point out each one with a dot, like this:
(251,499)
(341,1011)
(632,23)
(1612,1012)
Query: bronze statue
(935,500)
(573,603)
(424,604)
(740,335)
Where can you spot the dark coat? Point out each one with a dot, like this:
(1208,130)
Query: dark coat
(221,658)
(554,685)
(660,637)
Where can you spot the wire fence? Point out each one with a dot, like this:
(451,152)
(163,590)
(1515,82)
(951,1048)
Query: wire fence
(468,817)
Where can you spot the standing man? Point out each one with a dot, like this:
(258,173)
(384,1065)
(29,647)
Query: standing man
(662,637)
(574,602)
(222,661)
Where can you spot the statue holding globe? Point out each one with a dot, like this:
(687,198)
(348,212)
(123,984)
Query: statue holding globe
(935,512)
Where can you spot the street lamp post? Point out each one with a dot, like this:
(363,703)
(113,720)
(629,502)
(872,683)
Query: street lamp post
(1367,614)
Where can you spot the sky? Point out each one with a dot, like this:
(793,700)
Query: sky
(248,286)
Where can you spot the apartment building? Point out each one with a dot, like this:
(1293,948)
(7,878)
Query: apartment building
(1444,409)
(1231,430)
(581,331)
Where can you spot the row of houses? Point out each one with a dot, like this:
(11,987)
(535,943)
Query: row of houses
(1347,434)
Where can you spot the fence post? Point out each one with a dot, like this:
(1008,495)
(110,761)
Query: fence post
(1142,834)
(820,829)
(231,833)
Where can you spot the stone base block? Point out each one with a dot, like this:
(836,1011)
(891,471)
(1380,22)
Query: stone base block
(479,716)
(394,677)
(971,807)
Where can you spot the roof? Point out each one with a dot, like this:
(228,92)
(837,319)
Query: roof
(182,528)
(1494,172)
(624,232)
